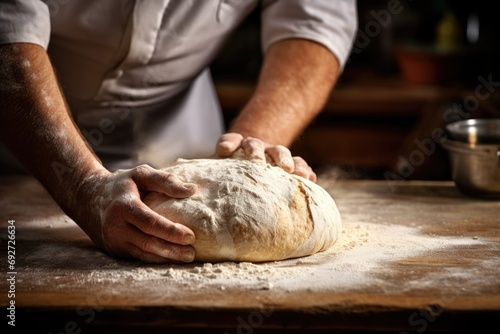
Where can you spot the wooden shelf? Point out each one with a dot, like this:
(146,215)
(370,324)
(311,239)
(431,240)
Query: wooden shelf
(367,123)
(391,97)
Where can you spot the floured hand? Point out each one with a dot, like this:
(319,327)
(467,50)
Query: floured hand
(256,149)
(122,225)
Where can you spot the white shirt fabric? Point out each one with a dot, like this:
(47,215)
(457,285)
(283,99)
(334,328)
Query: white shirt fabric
(135,72)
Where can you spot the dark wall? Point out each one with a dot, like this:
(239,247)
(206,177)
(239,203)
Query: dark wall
(416,23)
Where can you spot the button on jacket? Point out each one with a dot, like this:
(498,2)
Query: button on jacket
(135,73)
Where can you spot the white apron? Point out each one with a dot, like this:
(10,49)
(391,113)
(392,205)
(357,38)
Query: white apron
(135,73)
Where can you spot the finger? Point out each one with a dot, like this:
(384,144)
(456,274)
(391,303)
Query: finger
(303,169)
(128,239)
(313,177)
(228,144)
(151,223)
(282,157)
(150,179)
(254,149)
(151,249)
(145,247)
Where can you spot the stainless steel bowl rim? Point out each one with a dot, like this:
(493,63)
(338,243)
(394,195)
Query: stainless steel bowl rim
(485,130)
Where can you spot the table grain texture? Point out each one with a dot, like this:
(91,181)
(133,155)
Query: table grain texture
(413,257)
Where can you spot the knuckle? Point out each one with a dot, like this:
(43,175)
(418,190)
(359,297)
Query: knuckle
(298,160)
(300,163)
(251,142)
(254,149)
(116,209)
(282,148)
(272,150)
(170,178)
(300,172)
(231,136)
(142,169)
(284,153)
(256,142)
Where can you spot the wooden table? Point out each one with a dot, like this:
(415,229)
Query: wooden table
(413,256)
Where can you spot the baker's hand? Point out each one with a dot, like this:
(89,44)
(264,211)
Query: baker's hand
(256,149)
(122,225)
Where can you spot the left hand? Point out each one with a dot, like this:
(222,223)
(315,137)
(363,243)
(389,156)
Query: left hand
(256,149)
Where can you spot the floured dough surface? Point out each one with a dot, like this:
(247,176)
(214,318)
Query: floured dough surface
(248,211)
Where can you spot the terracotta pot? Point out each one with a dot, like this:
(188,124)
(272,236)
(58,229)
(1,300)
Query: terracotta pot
(428,66)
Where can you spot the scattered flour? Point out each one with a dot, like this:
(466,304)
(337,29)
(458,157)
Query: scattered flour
(363,257)
(55,255)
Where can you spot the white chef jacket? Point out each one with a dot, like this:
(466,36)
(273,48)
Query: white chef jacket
(135,72)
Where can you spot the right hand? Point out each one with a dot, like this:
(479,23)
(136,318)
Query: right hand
(119,222)
(235,145)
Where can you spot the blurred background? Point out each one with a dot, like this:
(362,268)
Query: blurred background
(415,67)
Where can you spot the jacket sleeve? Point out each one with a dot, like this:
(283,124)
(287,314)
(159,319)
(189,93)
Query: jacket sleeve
(332,23)
(24,21)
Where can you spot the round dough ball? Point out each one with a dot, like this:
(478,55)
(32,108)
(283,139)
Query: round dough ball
(250,211)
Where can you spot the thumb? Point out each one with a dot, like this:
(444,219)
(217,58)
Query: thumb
(150,179)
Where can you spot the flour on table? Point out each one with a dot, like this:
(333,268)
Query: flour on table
(250,211)
(363,251)
(364,256)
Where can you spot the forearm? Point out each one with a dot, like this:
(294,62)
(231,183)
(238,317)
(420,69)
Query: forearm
(36,126)
(294,84)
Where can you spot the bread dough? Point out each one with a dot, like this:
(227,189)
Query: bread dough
(250,211)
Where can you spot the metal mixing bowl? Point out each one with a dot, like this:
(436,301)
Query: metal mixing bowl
(474,150)
(475,131)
